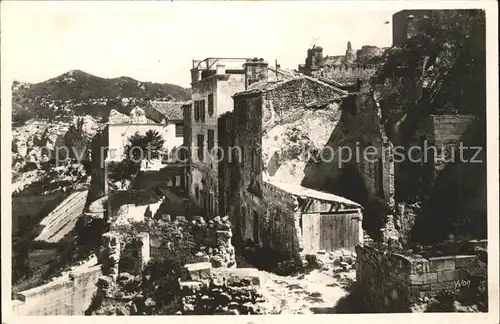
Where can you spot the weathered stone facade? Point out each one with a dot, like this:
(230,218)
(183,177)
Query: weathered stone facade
(391,282)
(99,154)
(357,141)
(281,228)
(212,88)
(261,107)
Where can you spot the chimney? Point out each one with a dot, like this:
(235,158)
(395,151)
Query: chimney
(255,71)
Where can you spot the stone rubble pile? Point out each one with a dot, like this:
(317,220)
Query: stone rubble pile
(121,296)
(214,239)
(221,291)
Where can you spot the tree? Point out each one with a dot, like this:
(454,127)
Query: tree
(148,146)
(76,141)
(140,147)
(123,170)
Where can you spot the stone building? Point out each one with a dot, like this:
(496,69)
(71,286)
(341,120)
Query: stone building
(357,160)
(251,201)
(379,163)
(295,221)
(213,82)
(347,68)
(107,146)
(164,117)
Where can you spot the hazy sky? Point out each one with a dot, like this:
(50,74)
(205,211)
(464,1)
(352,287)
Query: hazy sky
(157,42)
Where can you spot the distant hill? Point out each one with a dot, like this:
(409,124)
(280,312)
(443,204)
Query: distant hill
(80,93)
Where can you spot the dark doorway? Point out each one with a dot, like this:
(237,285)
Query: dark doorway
(204,205)
(350,185)
(380,179)
(255,227)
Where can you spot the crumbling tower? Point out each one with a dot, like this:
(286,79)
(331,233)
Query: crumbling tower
(350,54)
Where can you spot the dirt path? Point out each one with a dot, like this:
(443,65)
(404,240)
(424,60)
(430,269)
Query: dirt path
(317,292)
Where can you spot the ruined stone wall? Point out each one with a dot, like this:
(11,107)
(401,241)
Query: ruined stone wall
(438,137)
(246,156)
(356,140)
(212,239)
(368,53)
(63,296)
(99,155)
(391,282)
(448,131)
(346,73)
(281,230)
(220,291)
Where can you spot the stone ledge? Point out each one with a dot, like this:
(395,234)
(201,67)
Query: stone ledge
(441,263)
(379,272)
(234,275)
(424,278)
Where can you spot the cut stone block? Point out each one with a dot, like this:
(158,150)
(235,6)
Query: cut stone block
(189,287)
(200,270)
(441,263)
(243,276)
(423,278)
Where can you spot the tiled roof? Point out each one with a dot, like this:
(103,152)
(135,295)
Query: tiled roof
(298,190)
(116,117)
(172,110)
(265,86)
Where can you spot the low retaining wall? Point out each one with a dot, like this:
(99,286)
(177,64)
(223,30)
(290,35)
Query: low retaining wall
(391,282)
(65,296)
